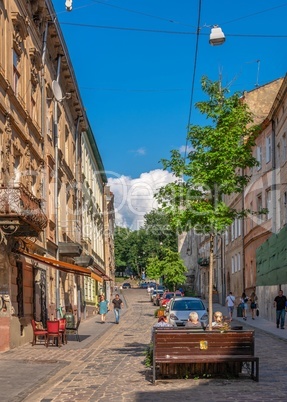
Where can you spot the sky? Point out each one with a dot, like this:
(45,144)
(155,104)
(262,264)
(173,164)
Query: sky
(138,66)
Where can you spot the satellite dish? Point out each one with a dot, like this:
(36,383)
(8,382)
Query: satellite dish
(57,91)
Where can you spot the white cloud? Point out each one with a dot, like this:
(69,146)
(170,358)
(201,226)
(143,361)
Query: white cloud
(185,149)
(139,151)
(135,197)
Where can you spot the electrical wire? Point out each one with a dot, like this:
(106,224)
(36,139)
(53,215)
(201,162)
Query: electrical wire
(141,13)
(169,32)
(193,77)
(257,13)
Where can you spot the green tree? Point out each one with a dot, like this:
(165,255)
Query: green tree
(133,248)
(121,241)
(214,168)
(170,266)
(159,231)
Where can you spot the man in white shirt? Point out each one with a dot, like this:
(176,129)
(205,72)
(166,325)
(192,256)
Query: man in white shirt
(230,301)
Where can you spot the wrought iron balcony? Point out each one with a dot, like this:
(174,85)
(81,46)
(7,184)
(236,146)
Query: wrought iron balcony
(84,260)
(20,212)
(70,249)
(203,262)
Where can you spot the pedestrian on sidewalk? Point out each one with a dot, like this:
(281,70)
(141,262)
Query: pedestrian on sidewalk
(103,308)
(279,303)
(244,303)
(230,301)
(253,304)
(118,304)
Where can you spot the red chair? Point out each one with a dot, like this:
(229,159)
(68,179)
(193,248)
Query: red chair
(38,332)
(63,323)
(53,331)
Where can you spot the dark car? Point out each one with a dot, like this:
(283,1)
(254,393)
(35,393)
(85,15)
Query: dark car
(126,285)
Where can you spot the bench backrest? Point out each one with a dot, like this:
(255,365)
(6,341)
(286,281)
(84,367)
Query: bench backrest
(184,342)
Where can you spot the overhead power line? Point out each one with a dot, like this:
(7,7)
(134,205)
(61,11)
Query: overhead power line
(168,32)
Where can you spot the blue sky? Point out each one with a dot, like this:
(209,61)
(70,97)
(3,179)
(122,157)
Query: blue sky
(134,62)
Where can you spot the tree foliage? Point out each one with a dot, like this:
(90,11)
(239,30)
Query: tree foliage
(134,248)
(216,166)
(171,267)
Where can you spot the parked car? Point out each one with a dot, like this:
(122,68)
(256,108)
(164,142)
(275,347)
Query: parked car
(167,296)
(179,309)
(143,285)
(156,295)
(126,285)
(151,287)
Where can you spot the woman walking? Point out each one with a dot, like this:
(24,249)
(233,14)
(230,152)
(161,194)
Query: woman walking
(103,306)
(253,304)
(244,301)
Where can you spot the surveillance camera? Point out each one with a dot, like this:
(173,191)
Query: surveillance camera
(68,5)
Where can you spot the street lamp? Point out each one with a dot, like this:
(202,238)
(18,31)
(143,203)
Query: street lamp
(216,37)
(68,5)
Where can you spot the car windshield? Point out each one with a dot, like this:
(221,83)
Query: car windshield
(183,305)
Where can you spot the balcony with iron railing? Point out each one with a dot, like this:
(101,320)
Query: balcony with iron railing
(20,211)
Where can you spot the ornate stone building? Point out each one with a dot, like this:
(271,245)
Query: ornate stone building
(44,200)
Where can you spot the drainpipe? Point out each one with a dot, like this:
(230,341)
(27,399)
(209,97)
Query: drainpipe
(243,235)
(56,201)
(43,123)
(44,133)
(77,174)
(273,182)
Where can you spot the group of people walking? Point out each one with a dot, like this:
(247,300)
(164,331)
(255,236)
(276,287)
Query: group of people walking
(243,303)
(104,307)
(280,303)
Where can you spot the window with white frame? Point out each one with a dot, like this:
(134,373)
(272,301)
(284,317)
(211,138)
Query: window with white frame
(259,157)
(239,262)
(259,205)
(232,231)
(16,72)
(268,149)
(235,229)
(239,223)
(226,237)
(235,263)
(269,204)
(284,148)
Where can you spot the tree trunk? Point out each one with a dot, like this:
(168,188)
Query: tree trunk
(210,310)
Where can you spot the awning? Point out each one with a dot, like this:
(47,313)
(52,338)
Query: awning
(102,274)
(96,277)
(62,265)
(107,278)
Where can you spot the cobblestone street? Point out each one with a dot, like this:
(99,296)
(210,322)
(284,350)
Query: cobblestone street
(108,365)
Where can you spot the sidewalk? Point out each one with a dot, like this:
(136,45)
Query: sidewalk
(108,364)
(259,323)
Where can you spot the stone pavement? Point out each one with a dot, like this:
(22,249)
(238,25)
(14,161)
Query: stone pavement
(108,365)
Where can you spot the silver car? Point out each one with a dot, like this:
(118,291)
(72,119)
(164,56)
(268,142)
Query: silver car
(179,308)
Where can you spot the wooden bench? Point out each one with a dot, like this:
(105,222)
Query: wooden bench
(186,352)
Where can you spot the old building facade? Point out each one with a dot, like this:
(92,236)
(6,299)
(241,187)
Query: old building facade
(47,209)
(248,255)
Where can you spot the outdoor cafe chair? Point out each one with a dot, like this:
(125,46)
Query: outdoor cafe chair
(63,323)
(53,331)
(39,333)
(74,330)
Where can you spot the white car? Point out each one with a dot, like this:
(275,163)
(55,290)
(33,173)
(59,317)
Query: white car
(179,308)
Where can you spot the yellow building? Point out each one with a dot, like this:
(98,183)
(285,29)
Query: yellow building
(44,201)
